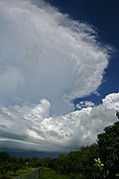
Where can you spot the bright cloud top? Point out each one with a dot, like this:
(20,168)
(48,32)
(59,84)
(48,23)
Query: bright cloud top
(32,128)
(112,101)
(46,55)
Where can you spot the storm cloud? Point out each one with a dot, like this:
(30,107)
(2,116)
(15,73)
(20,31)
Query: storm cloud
(46,61)
(46,55)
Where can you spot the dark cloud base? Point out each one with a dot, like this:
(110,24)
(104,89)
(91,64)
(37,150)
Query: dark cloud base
(29,154)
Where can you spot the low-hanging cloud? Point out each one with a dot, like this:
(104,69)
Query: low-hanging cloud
(31,128)
(46,55)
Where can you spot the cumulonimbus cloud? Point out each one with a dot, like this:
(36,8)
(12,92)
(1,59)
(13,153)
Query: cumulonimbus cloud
(46,61)
(46,55)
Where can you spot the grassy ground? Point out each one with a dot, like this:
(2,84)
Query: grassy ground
(19,172)
(51,174)
(23,171)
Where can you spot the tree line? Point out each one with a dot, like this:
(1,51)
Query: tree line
(97,161)
(9,165)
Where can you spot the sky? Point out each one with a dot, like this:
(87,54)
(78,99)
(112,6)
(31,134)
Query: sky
(59,83)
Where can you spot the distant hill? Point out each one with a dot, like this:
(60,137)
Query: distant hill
(29,154)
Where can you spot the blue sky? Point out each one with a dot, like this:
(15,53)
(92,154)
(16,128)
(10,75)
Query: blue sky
(102,15)
(58,72)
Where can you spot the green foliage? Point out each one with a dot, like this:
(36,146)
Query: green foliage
(117,175)
(14,164)
(4,163)
(23,171)
(98,164)
(52,174)
(108,148)
(78,164)
(10,166)
(99,167)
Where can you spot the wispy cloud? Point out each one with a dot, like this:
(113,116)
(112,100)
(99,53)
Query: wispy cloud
(46,55)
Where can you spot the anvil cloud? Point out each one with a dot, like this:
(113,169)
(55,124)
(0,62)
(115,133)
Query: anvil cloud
(46,55)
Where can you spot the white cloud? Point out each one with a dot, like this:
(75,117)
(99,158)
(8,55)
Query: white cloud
(84,104)
(46,55)
(34,129)
(112,101)
(10,79)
